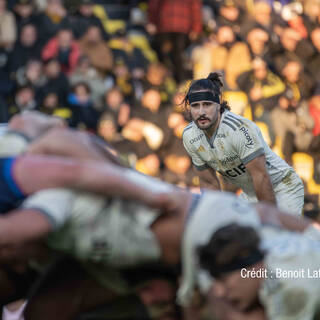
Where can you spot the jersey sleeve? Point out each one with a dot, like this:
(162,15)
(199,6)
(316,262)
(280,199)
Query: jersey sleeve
(54,204)
(198,163)
(248,142)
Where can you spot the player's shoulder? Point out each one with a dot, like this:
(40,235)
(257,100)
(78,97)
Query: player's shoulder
(189,131)
(235,123)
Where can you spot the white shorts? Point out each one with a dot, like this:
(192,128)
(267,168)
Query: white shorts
(289,194)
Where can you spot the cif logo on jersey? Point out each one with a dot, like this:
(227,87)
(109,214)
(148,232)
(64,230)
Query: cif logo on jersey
(237,171)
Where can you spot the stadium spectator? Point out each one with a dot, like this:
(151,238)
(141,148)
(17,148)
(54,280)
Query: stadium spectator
(56,80)
(85,72)
(7,27)
(231,55)
(25,13)
(263,88)
(51,19)
(84,115)
(64,48)
(26,48)
(116,106)
(96,49)
(230,14)
(174,23)
(24,99)
(32,73)
(85,18)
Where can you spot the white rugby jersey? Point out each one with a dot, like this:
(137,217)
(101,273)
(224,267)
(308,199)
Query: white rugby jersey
(292,289)
(236,142)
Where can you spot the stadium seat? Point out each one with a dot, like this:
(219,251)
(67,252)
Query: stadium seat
(265,132)
(237,100)
(303,164)
(111,26)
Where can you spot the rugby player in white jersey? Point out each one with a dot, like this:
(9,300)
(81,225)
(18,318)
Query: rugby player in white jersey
(257,277)
(118,233)
(218,140)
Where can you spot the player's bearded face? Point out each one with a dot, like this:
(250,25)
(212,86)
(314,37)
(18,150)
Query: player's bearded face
(205,114)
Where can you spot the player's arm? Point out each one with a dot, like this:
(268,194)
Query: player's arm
(22,226)
(33,173)
(227,186)
(207,175)
(68,143)
(208,179)
(261,179)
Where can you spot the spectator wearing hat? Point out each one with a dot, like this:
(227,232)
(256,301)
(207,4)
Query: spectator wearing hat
(52,18)
(64,48)
(24,11)
(7,27)
(85,18)
(174,22)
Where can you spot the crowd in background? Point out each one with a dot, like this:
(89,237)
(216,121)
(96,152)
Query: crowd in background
(121,69)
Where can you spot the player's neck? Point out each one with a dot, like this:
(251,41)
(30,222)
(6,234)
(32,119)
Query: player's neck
(210,131)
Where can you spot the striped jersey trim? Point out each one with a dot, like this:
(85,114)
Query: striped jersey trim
(229,124)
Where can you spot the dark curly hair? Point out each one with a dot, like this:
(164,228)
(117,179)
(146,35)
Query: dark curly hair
(212,83)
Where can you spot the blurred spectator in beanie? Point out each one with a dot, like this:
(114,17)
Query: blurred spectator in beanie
(85,72)
(96,49)
(263,88)
(56,80)
(8,31)
(174,23)
(116,106)
(64,48)
(26,48)
(85,18)
(84,116)
(24,11)
(24,99)
(50,21)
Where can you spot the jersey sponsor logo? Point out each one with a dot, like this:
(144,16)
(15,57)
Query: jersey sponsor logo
(221,135)
(196,138)
(235,172)
(249,143)
(201,149)
(228,159)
